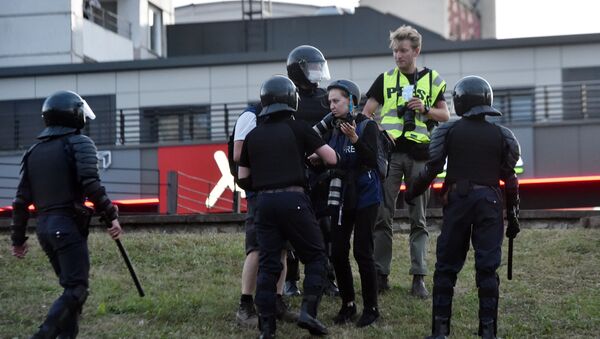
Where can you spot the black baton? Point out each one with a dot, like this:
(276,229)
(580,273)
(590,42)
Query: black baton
(136,281)
(510,258)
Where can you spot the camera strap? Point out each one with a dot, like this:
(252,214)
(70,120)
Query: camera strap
(399,88)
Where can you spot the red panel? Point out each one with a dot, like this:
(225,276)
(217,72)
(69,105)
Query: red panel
(198,175)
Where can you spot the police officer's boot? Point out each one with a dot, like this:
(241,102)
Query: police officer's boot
(283,311)
(441,328)
(290,289)
(487,329)
(308,316)
(331,288)
(418,287)
(267,326)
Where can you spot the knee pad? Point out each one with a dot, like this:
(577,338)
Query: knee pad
(76,297)
(444,279)
(487,280)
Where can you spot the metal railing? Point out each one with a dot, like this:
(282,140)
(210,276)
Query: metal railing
(213,123)
(107,19)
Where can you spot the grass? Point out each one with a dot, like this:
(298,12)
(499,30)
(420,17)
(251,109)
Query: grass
(192,286)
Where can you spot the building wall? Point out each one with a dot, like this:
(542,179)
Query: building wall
(38,32)
(573,145)
(232,11)
(55,32)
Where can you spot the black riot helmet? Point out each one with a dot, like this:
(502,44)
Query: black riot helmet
(350,87)
(66,108)
(306,66)
(278,94)
(473,96)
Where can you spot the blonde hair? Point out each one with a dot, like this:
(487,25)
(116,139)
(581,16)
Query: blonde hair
(406,32)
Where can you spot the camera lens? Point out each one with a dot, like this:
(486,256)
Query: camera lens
(409,120)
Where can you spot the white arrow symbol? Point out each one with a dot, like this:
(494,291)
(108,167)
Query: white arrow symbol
(226,180)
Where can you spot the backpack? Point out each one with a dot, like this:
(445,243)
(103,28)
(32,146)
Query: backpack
(384,147)
(233,166)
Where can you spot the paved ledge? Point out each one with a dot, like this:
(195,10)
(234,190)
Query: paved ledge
(234,222)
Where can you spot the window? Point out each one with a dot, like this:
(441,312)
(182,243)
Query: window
(22,121)
(176,124)
(155,29)
(516,104)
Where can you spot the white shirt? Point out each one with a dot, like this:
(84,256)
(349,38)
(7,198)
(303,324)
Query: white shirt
(245,123)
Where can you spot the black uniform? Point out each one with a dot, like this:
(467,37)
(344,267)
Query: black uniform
(311,109)
(480,154)
(57,174)
(284,211)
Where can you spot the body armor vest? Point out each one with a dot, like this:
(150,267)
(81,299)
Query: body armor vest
(52,177)
(474,152)
(310,106)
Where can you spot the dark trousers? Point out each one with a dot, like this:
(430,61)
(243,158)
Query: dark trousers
(476,217)
(281,217)
(293,267)
(362,222)
(68,253)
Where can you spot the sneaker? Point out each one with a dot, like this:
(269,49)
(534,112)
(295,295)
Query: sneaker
(369,316)
(246,315)
(290,289)
(345,315)
(382,283)
(283,311)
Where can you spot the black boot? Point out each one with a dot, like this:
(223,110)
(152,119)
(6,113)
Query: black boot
(290,289)
(331,288)
(488,329)
(308,316)
(382,283)
(418,287)
(267,326)
(369,316)
(346,314)
(283,311)
(441,328)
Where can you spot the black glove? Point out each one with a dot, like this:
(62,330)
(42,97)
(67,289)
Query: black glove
(512,216)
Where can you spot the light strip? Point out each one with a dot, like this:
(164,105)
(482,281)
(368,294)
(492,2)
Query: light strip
(148,201)
(537,181)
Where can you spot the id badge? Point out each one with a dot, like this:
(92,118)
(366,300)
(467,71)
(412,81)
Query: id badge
(407,92)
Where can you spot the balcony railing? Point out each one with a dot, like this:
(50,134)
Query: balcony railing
(108,20)
(553,104)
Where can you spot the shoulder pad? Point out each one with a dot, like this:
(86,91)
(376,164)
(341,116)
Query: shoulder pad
(512,147)
(84,150)
(437,147)
(81,143)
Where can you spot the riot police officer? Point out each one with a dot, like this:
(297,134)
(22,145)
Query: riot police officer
(307,67)
(480,154)
(272,164)
(57,174)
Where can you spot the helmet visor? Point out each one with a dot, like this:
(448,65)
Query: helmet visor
(87,111)
(315,71)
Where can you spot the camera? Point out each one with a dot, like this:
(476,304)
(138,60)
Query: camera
(338,121)
(409,117)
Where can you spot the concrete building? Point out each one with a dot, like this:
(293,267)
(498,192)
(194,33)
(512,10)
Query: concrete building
(36,32)
(248,9)
(452,19)
(174,114)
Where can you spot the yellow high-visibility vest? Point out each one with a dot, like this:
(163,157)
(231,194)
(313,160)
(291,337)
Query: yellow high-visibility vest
(427,89)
